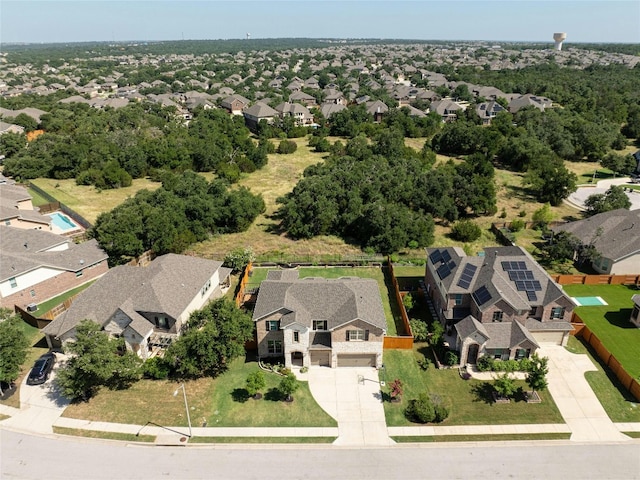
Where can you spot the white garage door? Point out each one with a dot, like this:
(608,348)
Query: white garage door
(360,360)
(554,338)
(321,357)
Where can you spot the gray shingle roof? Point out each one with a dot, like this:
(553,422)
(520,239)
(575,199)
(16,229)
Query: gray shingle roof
(620,235)
(167,285)
(24,250)
(338,301)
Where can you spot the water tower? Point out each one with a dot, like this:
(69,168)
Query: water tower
(248,36)
(559,38)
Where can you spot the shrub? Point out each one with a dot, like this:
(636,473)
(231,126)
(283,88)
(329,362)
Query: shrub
(509,365)
(517,225)
(451,358)
(255,382)
(287,146)
(239,258)
(424,363)
(396,389)
(420,409)
(522,214)
(466,231)
(155,368)
(441,413)
(485,364)
(419,330)
(407,301)
(504,385)
(503,213)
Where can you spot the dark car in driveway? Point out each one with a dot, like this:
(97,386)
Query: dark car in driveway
(41,369)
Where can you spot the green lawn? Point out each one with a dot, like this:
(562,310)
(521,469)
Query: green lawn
(262,440)
(482,438)
(614,398)
(611,322)
(44,307)
(125,437)
(391,310)
(468,401)
(218,402)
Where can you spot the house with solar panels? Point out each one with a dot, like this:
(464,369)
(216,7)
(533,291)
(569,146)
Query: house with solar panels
(501,303)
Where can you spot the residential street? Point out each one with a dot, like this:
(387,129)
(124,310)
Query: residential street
(30,457)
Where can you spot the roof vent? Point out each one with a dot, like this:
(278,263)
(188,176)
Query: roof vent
(81,262)
(26,245)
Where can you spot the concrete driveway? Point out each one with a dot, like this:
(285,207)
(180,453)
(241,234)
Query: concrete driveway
(578,197)
(351,396)
(577,403)
(40,405)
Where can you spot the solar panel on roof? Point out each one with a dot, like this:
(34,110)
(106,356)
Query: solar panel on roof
(528,275)
(445,256)
(522,266)
(463,283)
(532,296)
(443,271)
(506,266)
(467,275)
(482,295)
(520,285)
(536,286)
(435,256)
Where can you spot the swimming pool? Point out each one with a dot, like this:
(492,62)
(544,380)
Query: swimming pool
(62,221)
(588,301)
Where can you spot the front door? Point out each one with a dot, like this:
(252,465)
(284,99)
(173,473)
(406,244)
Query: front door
(472,353)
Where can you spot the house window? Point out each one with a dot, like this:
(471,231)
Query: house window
(206,287)
(497,354)
(605,264)
(497,317)
(532,312)
(458,299)
(162,322)
(33,293)
(356,335)
(557,312)
(319,324)
(522,353)
(7,222)
(273,325)
(296,336)
(79,273)
(275,346)
(13,282)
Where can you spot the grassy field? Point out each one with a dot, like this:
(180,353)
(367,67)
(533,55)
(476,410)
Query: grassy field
(218,402)
(125,437)
(611,322)
(87,200)
(614,398)
(482,438)
(38,347)
(469,401)
(389,304)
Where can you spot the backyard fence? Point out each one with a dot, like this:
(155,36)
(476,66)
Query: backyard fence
(68,211)
(597,279)
(242,287)
(582,331)
(403,342)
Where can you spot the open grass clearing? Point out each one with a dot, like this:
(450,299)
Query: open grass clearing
(127,437)
(87,200)
(469,401)
(38,346)
(632,434)
(611,322)
(283,440)
(614,398)
(482,438)
(3,417)
(222,401)
(389,304)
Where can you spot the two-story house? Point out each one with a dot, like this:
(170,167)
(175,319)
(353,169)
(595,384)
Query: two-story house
(501,304)
(318,321)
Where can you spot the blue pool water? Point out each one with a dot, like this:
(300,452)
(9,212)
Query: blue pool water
(62,222)
(588,301)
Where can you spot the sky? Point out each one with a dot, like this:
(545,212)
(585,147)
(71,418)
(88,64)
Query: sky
(49,21)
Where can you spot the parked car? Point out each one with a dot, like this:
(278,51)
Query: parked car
(41,369)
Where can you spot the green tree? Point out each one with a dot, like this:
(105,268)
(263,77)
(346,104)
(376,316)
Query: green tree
(562,247)
(504,385)
(239,258)
(13,345)
(466,231)
(12,143)
(537,373)
(550,181)
(408,302)
(620,164)
(213,337)
(96,361)
(421,409)
(419,330)
(543,216)
(614,198)
(288,385)
(255,383)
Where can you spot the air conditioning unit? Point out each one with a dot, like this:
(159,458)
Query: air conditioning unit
(32,307)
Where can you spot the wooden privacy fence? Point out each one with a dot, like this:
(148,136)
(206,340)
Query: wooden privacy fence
(597,279)
(403,342)
(582,331)
(79,219)
(243,285)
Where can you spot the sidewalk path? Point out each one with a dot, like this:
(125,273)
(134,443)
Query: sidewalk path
(578,197)
(351,396)
(576,401)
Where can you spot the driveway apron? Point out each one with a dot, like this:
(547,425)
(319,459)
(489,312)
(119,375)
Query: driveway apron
(351,396)
(577,403)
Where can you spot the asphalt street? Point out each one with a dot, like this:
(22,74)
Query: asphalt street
(29,457)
